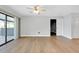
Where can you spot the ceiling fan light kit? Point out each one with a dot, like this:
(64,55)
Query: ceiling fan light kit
(36,9)
(36,12)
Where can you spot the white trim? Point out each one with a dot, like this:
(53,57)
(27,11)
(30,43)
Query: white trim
(35,35)
(67,36)
(75,37)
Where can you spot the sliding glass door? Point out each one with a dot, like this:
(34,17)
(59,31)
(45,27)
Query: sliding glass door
(7,28)
(2,29)
(10,28)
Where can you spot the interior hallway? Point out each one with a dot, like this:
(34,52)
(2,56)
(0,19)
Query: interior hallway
(41,45)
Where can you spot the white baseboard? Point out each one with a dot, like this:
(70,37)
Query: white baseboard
(41,36)
(75,37)
(35,36)
(67,37)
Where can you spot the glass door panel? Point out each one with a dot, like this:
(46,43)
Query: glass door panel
(10,30)
(2,16)
(2,32)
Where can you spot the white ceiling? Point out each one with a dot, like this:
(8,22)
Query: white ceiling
(51,10)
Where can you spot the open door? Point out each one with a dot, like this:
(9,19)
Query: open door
(53,27)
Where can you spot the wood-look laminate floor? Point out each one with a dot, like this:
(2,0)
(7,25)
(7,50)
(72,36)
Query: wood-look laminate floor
(41,45)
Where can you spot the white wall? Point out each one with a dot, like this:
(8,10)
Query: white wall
(75,26)
(67,26)
(60,26)
(16,28)
(71,26)
(31,25)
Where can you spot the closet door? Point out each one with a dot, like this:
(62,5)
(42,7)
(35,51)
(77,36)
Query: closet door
(10,28)
(2,28)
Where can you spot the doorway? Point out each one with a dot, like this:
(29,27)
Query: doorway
(53,27)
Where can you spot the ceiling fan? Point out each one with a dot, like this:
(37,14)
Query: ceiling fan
(36,9)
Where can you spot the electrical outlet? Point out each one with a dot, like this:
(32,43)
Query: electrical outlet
(38,32)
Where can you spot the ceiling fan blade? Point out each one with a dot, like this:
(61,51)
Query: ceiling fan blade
(43,10)
(29,8)
(30,11)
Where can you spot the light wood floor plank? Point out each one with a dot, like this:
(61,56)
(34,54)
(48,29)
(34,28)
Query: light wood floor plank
(41,45)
